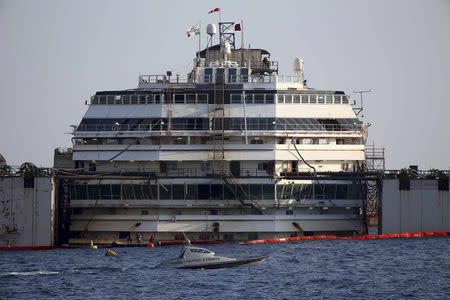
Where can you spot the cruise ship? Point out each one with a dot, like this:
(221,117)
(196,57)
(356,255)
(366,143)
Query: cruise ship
(232,151)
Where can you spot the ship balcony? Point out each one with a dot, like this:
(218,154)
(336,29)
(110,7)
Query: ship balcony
(156,128)
(145,173)
(162,81)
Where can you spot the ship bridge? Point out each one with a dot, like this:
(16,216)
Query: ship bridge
(252,68)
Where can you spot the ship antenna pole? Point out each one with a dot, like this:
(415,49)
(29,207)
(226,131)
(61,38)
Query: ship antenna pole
(361,98)
(245,117)
(242,34)
(199,41)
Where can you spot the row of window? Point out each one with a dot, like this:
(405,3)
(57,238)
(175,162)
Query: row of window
(149,99)
(171,192)
(312,99)
(238,124)
(203,98)
(214,191)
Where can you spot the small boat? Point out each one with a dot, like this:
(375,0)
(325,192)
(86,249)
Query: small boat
(200,258)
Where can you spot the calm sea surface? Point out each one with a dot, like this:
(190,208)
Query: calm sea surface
(375,269)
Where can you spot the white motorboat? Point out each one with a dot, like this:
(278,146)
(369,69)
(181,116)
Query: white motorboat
(200,258)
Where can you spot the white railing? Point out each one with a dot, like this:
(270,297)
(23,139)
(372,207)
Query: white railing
(164,79)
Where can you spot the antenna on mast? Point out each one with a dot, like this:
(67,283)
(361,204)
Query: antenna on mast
(359,109)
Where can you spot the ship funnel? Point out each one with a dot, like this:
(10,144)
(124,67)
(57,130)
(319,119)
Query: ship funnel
(211,29)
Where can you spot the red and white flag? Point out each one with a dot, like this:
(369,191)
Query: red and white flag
(217,9)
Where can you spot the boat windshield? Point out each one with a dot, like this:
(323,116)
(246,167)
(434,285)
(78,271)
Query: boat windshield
(199,250)
(182,253)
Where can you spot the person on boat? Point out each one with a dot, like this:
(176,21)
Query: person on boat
(139,238)
(155,241)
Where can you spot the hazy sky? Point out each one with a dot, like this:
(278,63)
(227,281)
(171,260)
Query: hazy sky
(55,54)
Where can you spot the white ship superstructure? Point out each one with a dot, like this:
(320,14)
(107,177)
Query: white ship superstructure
(211,154)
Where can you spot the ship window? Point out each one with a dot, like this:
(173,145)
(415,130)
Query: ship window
(208,75)
(157,98)
(312,98)
(203,192)
(262,166)
(242,191)
(105,191)
(94,100)
(167,99)
(172,166)
(259,98)
(249,98)
(138,191)
(296,99)
(269,98)
(144,212)
(229,192)
(134,99)
(93,192)
(255,191)
(80,192)
(202,98)
(115,191)
(328,99)
(165,191)
(304,98)
(216,192)
(280,98)
(126,99)
(342,189)
(337,100)
(320,99)
(344,100)
(191,192)
(178,98)
(289,212)
(118,99)
(150,191)
(205,166)
(232,75)
(102,100)
(110,99)
(268,191)
(287,98)
(142,99)
(178,191)
(190,98)
(149,99)
(236,98)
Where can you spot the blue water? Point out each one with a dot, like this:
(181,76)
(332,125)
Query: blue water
(376,269)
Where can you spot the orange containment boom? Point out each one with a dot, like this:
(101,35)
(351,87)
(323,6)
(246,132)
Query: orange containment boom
(355,237)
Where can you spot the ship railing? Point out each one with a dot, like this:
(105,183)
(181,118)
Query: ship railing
(190,172)
(162,79)
(265,78)
(254,78)
(238,127)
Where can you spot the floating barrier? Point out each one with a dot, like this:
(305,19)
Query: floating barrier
(29,248)
(355,237)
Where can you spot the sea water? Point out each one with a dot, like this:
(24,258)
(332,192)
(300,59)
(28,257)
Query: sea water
(322,269)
